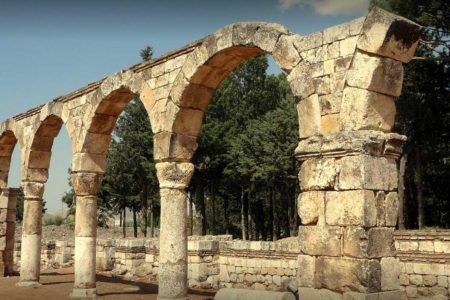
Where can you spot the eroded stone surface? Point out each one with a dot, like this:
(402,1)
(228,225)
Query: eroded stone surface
(347,179)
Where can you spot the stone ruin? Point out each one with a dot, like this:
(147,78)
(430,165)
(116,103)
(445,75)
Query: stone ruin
(345,80)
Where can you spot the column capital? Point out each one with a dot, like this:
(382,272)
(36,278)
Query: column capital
(174,175)
(33,190)
(345,143)
(86,183)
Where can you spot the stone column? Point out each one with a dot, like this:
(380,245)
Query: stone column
(86,186)
(8,198)
(30,261)
(173,179)
(348,208)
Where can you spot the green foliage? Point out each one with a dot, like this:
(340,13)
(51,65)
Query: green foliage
(19,206)
(53,220)
(246,145)
(146,53)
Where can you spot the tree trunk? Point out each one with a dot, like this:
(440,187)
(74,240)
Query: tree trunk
(250,226)
(271,216)
(401,192)
(287,210)
(144,205)
(124,222)
(200,199)
(225,214)
(152,217)
(120,219)
(276,219)
(213,207)
(244,215)
(419,190)
(135,226)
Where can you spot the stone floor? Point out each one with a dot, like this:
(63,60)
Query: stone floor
(57,284)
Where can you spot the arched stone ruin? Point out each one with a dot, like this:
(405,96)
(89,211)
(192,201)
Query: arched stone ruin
(345,80)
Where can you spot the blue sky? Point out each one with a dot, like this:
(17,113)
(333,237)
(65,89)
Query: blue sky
(49,48)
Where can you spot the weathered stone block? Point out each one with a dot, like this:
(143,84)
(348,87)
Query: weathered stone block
(188,121)
(389,35)
(368,243)
(33,189)
(285,54)
(96,143)
(347,208)
(36,175)
(343,274)
(374,73)
(318,294)
(356,26)
(318,174)
(368,172)
(300,81)
(336,33)
(309,116)
(88,162)
(311,207)
(307,265)
(347,46)
(362,109)
(174,175)
(330,124)
(308,42)
(330,104)
(387,208)
(390,273)
(266,37)
(86,183)
(429,280)
(320,240)
(171,146)
(391,295)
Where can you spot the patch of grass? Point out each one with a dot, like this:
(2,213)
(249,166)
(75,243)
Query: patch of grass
(53,220)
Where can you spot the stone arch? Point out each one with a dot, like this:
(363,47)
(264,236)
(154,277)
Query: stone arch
(91,142)
(34,176)
(105,106)
(345,80)
(205,68)
(8,141)
(39,156)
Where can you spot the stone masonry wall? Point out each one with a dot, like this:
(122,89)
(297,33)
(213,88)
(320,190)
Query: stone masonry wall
(424,263)
(219,261)
(214,261)
(8,199)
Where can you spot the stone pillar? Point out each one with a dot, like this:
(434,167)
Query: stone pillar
(348,209)
(8,199)
(30,261)
(173,179)
(86,186)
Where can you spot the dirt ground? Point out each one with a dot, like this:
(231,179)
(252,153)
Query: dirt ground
(57,284)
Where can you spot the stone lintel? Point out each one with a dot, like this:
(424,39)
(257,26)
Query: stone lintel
(346,143)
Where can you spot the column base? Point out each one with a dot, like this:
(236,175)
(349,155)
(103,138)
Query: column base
(29,283)
(83,293)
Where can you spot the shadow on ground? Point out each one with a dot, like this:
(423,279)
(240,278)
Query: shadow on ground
(57,284)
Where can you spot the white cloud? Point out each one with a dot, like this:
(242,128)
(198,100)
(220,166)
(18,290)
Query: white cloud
(329,7)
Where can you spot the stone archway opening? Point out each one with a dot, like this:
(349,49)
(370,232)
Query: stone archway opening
(8,198)
(249,97)
(35,174)
(118,133)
